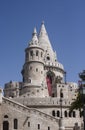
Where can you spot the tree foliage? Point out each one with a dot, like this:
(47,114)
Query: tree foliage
(78,103)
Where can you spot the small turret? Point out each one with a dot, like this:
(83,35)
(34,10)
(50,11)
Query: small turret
(34,40)
(33,69)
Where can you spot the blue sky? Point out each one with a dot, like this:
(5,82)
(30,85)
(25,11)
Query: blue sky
(65,24)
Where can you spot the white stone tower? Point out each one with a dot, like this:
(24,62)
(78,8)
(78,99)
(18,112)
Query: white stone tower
(41,68)
(33,69)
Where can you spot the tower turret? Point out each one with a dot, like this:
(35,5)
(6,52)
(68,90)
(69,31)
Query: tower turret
(41,69)
(33,69)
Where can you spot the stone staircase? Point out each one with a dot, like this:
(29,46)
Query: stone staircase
(28,110)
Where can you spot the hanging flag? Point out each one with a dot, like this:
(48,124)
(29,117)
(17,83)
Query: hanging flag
(49,85)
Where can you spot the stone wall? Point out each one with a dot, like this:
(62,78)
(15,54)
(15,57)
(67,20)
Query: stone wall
(27,118)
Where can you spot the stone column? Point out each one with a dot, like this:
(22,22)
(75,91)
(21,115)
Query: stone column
(61,124)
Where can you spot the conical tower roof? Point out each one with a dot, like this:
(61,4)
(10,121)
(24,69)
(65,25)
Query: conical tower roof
(46,44)
(43,37)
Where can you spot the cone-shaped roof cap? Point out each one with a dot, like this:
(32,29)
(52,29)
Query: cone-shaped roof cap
(34,40)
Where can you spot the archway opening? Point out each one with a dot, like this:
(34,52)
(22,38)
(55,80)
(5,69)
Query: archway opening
(49,80)
(5,125)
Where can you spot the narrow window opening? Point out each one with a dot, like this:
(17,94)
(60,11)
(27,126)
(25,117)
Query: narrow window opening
(53,113)
(15,124)
(58,113)
(38,126)
(61,93)
(48,128)
(65,113)
(31,53)
(74,115)
(28,124)
(69,114)
(37,53)
(41,54)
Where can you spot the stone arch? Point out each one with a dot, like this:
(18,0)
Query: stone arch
(6,116)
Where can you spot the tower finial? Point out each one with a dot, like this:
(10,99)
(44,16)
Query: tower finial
(43,22)
(34,32)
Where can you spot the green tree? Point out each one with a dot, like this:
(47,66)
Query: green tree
(80,100)
(78,103)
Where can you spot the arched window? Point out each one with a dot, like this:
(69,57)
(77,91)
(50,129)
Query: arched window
(58,113)
(61,93)
(48,128)
(37,52)
(31,53)
(69,114)
(5,125)
(53,113)
(65,113)
(28,124)
(15,124)
(74,114)
(38,126)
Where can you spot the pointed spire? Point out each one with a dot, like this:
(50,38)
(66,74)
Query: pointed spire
(34,32)
(45,43)
(34,40)
(43,37)
(34,36)
(43,29)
